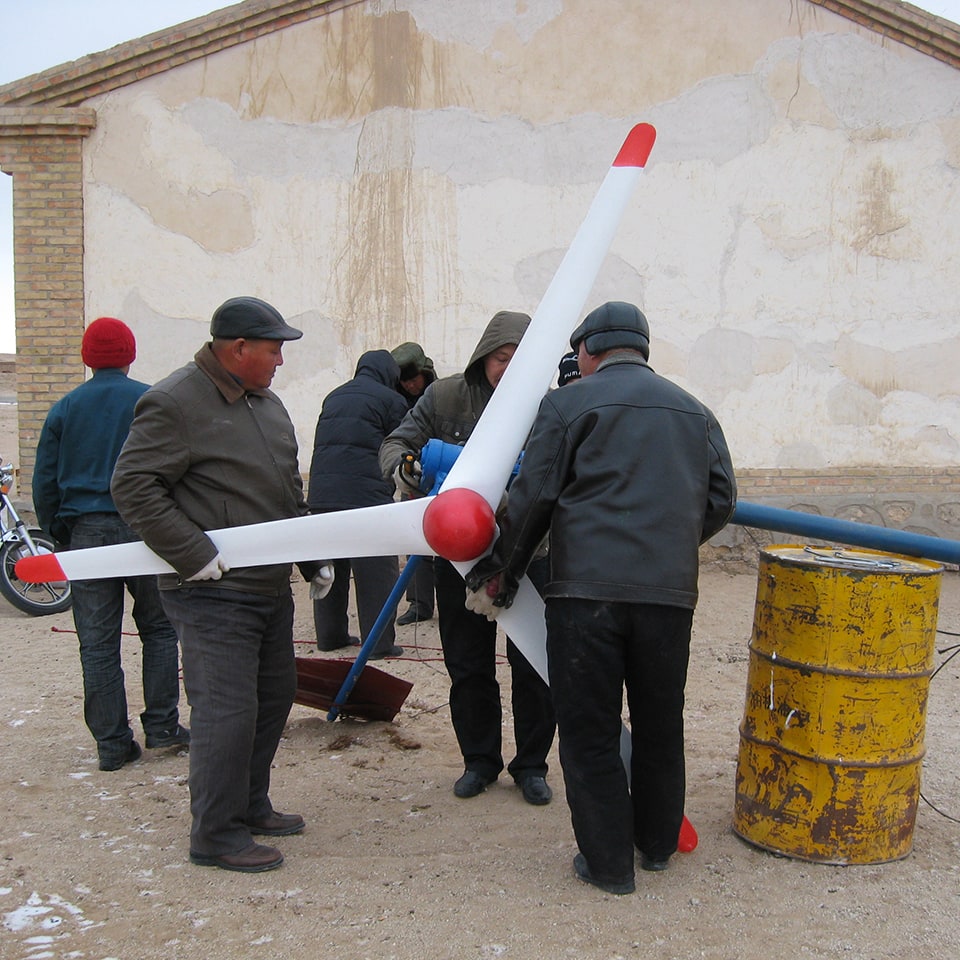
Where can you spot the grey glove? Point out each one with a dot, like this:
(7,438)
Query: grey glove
(214,570)
(322,581)
(489,577)
(406,477)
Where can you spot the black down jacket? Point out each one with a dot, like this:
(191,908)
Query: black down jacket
(344,470)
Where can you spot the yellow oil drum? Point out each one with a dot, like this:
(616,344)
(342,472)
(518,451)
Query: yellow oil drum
(832,737)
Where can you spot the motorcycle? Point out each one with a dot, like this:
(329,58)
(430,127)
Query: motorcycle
(16,541)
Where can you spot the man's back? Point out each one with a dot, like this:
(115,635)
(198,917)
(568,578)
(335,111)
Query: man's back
(79,445)
(635,473)
(355,418)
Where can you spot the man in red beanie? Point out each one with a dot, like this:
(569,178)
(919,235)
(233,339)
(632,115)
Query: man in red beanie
(79,445)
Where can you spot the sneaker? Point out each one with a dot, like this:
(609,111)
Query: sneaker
(350,642)
(393,651)
(535,790)
(115,763)
(253,859)
(415,613)
(582,870)
(277,825)
(471,784)
(178,737)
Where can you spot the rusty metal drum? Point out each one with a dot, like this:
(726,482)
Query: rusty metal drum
(832,737)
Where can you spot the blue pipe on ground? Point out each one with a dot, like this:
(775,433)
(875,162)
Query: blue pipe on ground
(847,531)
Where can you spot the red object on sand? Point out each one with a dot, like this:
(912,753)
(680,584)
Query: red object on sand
(688,837)
(375,696)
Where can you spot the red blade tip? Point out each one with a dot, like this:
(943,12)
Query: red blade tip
(636,148)
(42,569)
(688,837)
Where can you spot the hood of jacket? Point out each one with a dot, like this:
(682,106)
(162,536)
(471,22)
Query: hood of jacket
(506,327)
(380,366)
(412,360)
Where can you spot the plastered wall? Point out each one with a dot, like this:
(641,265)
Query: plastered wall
(402,170)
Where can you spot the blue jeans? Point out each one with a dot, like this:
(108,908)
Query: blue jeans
(98,617)
(240,676)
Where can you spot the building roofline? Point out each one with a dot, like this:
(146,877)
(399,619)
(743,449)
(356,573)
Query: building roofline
(905,23)
(72,83)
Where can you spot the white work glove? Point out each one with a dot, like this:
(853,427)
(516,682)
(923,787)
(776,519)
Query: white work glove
(321,582)
(214,570)
(481,601)
(406,477)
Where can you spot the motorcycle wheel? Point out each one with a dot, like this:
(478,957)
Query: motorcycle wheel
(37,599)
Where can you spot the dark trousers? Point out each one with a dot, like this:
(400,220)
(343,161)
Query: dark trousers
(240,677)
(373,579)
(421,586)
(593,649)
(469,652)
(98,617)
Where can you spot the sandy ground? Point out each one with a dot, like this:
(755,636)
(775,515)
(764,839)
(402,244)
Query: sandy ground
(392,865)
(94,865)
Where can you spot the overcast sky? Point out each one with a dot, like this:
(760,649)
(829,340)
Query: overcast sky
(37,34)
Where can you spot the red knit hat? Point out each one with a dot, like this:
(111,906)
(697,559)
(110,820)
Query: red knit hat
(108,342)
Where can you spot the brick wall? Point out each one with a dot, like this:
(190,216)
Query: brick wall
(42,150)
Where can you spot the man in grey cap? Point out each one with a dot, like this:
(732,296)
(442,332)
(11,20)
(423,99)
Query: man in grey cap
(629,474)
(211,447)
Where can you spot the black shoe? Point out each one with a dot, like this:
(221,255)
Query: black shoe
(582,870)
(254,859)
(115,763)
(535,790)
(179,737)
(415,613)
(277,825)
(393,651)
(654,866)
(350,642)
(470,785)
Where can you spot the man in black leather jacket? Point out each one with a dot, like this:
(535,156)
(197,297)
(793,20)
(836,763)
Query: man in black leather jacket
(629,474)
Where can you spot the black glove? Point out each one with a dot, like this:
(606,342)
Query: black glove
(308,568)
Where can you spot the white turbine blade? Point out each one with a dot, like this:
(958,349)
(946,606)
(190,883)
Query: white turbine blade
(393,528)
(523,623)
(496,441)
(485,463)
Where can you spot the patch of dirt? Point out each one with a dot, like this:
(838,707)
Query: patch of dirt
(392,865)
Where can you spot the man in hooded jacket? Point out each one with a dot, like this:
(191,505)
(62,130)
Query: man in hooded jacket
(417,372)
(448,411)
(344,475)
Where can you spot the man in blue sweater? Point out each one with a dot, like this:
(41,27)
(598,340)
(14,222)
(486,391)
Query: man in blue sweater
(79,445)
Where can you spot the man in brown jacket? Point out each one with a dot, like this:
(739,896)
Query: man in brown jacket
(212,447)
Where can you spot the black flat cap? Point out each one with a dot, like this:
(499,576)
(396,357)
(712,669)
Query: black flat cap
(252,319)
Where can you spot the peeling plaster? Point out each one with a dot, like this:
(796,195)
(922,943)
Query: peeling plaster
(868,85)
(402,170)
(445,22)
